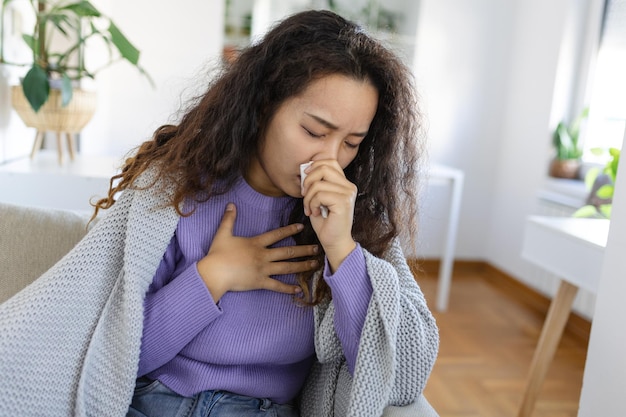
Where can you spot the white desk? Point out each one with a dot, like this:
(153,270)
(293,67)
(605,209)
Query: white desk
(454,178)
(573,249)
(42,182)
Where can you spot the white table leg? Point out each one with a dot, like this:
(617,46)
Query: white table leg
(447,258)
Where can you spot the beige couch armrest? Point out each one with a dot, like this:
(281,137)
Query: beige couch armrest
(420,408)
(32,240)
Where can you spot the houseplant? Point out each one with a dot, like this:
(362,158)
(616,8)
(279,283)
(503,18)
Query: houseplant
(565,139)
(78,23)
(601,183)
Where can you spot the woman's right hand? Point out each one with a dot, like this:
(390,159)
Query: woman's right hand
(246,263)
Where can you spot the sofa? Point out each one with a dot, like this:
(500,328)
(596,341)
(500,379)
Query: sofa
(33,239)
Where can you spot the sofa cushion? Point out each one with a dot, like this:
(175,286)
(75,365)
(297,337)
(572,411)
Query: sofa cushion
(32,240)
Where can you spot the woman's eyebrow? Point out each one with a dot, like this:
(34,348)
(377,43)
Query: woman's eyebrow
(332,126)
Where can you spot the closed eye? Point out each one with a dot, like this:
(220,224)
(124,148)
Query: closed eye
(312,134)
(352,145)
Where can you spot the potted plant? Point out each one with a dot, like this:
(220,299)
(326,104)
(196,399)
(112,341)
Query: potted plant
(601,183)
(49,97)
(566,161)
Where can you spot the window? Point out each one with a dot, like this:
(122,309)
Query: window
(607,85)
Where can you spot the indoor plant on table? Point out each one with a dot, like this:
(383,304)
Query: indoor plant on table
(567,160)
(49,97)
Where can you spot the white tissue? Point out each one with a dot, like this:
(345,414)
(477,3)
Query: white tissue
(324,209)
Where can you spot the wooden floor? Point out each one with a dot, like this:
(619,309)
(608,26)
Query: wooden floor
(487,339)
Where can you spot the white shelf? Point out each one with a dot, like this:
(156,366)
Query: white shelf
(42,182)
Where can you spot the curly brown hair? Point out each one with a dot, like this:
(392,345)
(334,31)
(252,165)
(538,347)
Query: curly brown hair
(218,136)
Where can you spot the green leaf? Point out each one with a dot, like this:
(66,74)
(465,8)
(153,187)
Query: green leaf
(64,23)
(591,176)
(59,20)
(605,192)
(30,41)
(83,9)
(565,143)
(614,163)
(574,129)
(606,210)
(127,50)
(586,211)
(36,87)
(66,90)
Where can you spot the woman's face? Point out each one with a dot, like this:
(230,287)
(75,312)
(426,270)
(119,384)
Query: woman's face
(329,120)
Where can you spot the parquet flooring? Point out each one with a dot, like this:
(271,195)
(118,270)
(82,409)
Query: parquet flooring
(487,340)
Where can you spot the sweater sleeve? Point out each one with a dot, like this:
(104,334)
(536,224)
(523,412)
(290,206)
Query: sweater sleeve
(400,336)
(352,291)
(176,309)
(397,348)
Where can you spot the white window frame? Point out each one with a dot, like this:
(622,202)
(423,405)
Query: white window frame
(577,61)
(596,115)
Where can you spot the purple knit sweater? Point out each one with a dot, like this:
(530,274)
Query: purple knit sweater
(256,343)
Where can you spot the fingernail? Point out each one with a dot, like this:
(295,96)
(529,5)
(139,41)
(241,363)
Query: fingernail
(299,226)
(297,290)
(230,207)
(316,249)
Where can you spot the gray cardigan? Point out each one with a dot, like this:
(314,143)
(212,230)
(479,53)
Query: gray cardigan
(70,341)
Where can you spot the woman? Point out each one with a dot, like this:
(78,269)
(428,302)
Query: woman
(261,287)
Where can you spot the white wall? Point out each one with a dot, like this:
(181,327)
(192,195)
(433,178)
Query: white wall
(463,55)
(178,43)
(16,139)
(487,71)
(525,133)
(604,382)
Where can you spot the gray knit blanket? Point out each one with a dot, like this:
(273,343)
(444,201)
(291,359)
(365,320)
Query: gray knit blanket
(70,341)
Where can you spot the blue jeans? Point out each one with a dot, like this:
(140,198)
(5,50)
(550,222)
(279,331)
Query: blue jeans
(153,399)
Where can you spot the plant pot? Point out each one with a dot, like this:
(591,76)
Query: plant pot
(53,117)
(564,168)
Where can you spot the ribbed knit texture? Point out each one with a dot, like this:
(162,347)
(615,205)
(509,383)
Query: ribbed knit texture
(256,343)
(397,350)
(70,342)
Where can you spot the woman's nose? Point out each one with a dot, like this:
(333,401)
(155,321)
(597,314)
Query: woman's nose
(330,150)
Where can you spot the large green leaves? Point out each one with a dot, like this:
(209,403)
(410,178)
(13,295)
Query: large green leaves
(565,138)
(127,50)
(36,87)
(81,23)
(566,143)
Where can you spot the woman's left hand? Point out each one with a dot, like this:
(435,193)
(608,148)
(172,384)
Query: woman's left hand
(326,185)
